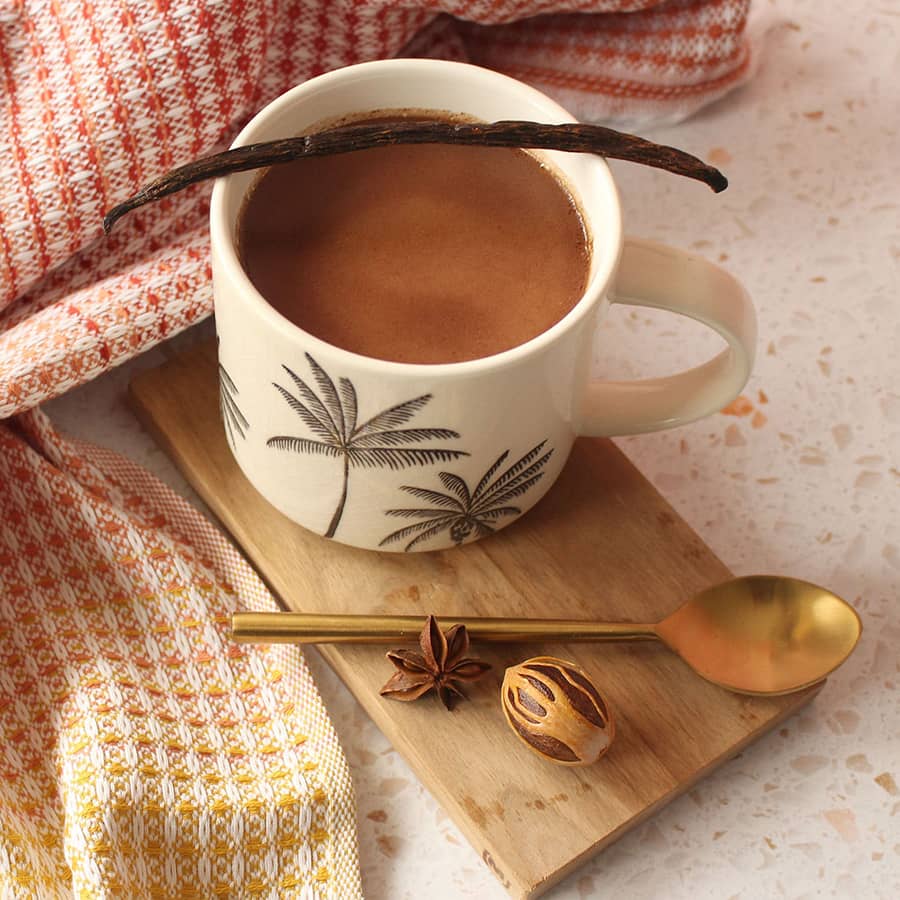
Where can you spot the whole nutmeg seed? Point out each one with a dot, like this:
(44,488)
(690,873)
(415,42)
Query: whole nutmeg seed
(553,707)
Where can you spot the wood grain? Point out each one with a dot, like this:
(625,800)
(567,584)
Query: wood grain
(602,544)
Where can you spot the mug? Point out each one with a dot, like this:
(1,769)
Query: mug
(408,457)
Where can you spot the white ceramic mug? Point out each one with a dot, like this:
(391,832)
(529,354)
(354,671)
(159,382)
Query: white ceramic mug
(397,456)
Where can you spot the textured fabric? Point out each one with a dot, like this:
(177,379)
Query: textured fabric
(99,96)
(143,753)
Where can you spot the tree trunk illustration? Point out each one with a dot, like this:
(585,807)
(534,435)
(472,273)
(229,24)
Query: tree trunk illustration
(336,518)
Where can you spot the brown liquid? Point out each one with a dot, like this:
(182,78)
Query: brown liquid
(424,254)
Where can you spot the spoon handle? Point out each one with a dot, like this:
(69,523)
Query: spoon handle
(312,628)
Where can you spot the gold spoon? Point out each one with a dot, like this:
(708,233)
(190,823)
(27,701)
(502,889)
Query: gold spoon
(761,634)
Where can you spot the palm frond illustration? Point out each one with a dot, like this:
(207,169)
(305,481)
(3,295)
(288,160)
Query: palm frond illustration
(379,442)
(463,512)
(235,421)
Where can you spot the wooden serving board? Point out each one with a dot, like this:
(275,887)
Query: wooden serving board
(602,544)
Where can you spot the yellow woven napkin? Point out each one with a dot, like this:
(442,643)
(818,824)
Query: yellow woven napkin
(143,753)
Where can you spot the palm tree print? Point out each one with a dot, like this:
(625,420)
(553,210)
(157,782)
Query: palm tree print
(379,442)
(235,421)
(461,511)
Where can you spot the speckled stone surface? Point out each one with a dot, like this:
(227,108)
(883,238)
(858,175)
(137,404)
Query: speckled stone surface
(803,479)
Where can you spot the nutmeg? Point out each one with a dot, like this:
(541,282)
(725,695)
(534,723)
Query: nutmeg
(553,707)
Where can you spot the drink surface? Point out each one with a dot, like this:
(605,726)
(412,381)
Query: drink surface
(417,253)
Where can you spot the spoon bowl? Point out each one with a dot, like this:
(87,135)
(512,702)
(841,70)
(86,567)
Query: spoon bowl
(763,634)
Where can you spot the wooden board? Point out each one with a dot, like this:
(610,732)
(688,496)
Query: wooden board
(602,543)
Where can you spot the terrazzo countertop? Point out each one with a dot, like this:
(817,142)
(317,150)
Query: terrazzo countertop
(802,476)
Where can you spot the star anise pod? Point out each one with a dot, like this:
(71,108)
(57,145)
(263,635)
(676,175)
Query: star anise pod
(440,666)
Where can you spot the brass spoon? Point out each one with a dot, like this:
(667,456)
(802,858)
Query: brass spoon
(761,634)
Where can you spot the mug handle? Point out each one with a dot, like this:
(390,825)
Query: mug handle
(661,277)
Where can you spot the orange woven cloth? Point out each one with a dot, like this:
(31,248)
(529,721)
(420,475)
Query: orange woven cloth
(143,753)
(99,97)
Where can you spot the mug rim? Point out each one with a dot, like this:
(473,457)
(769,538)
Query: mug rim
(223,242)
